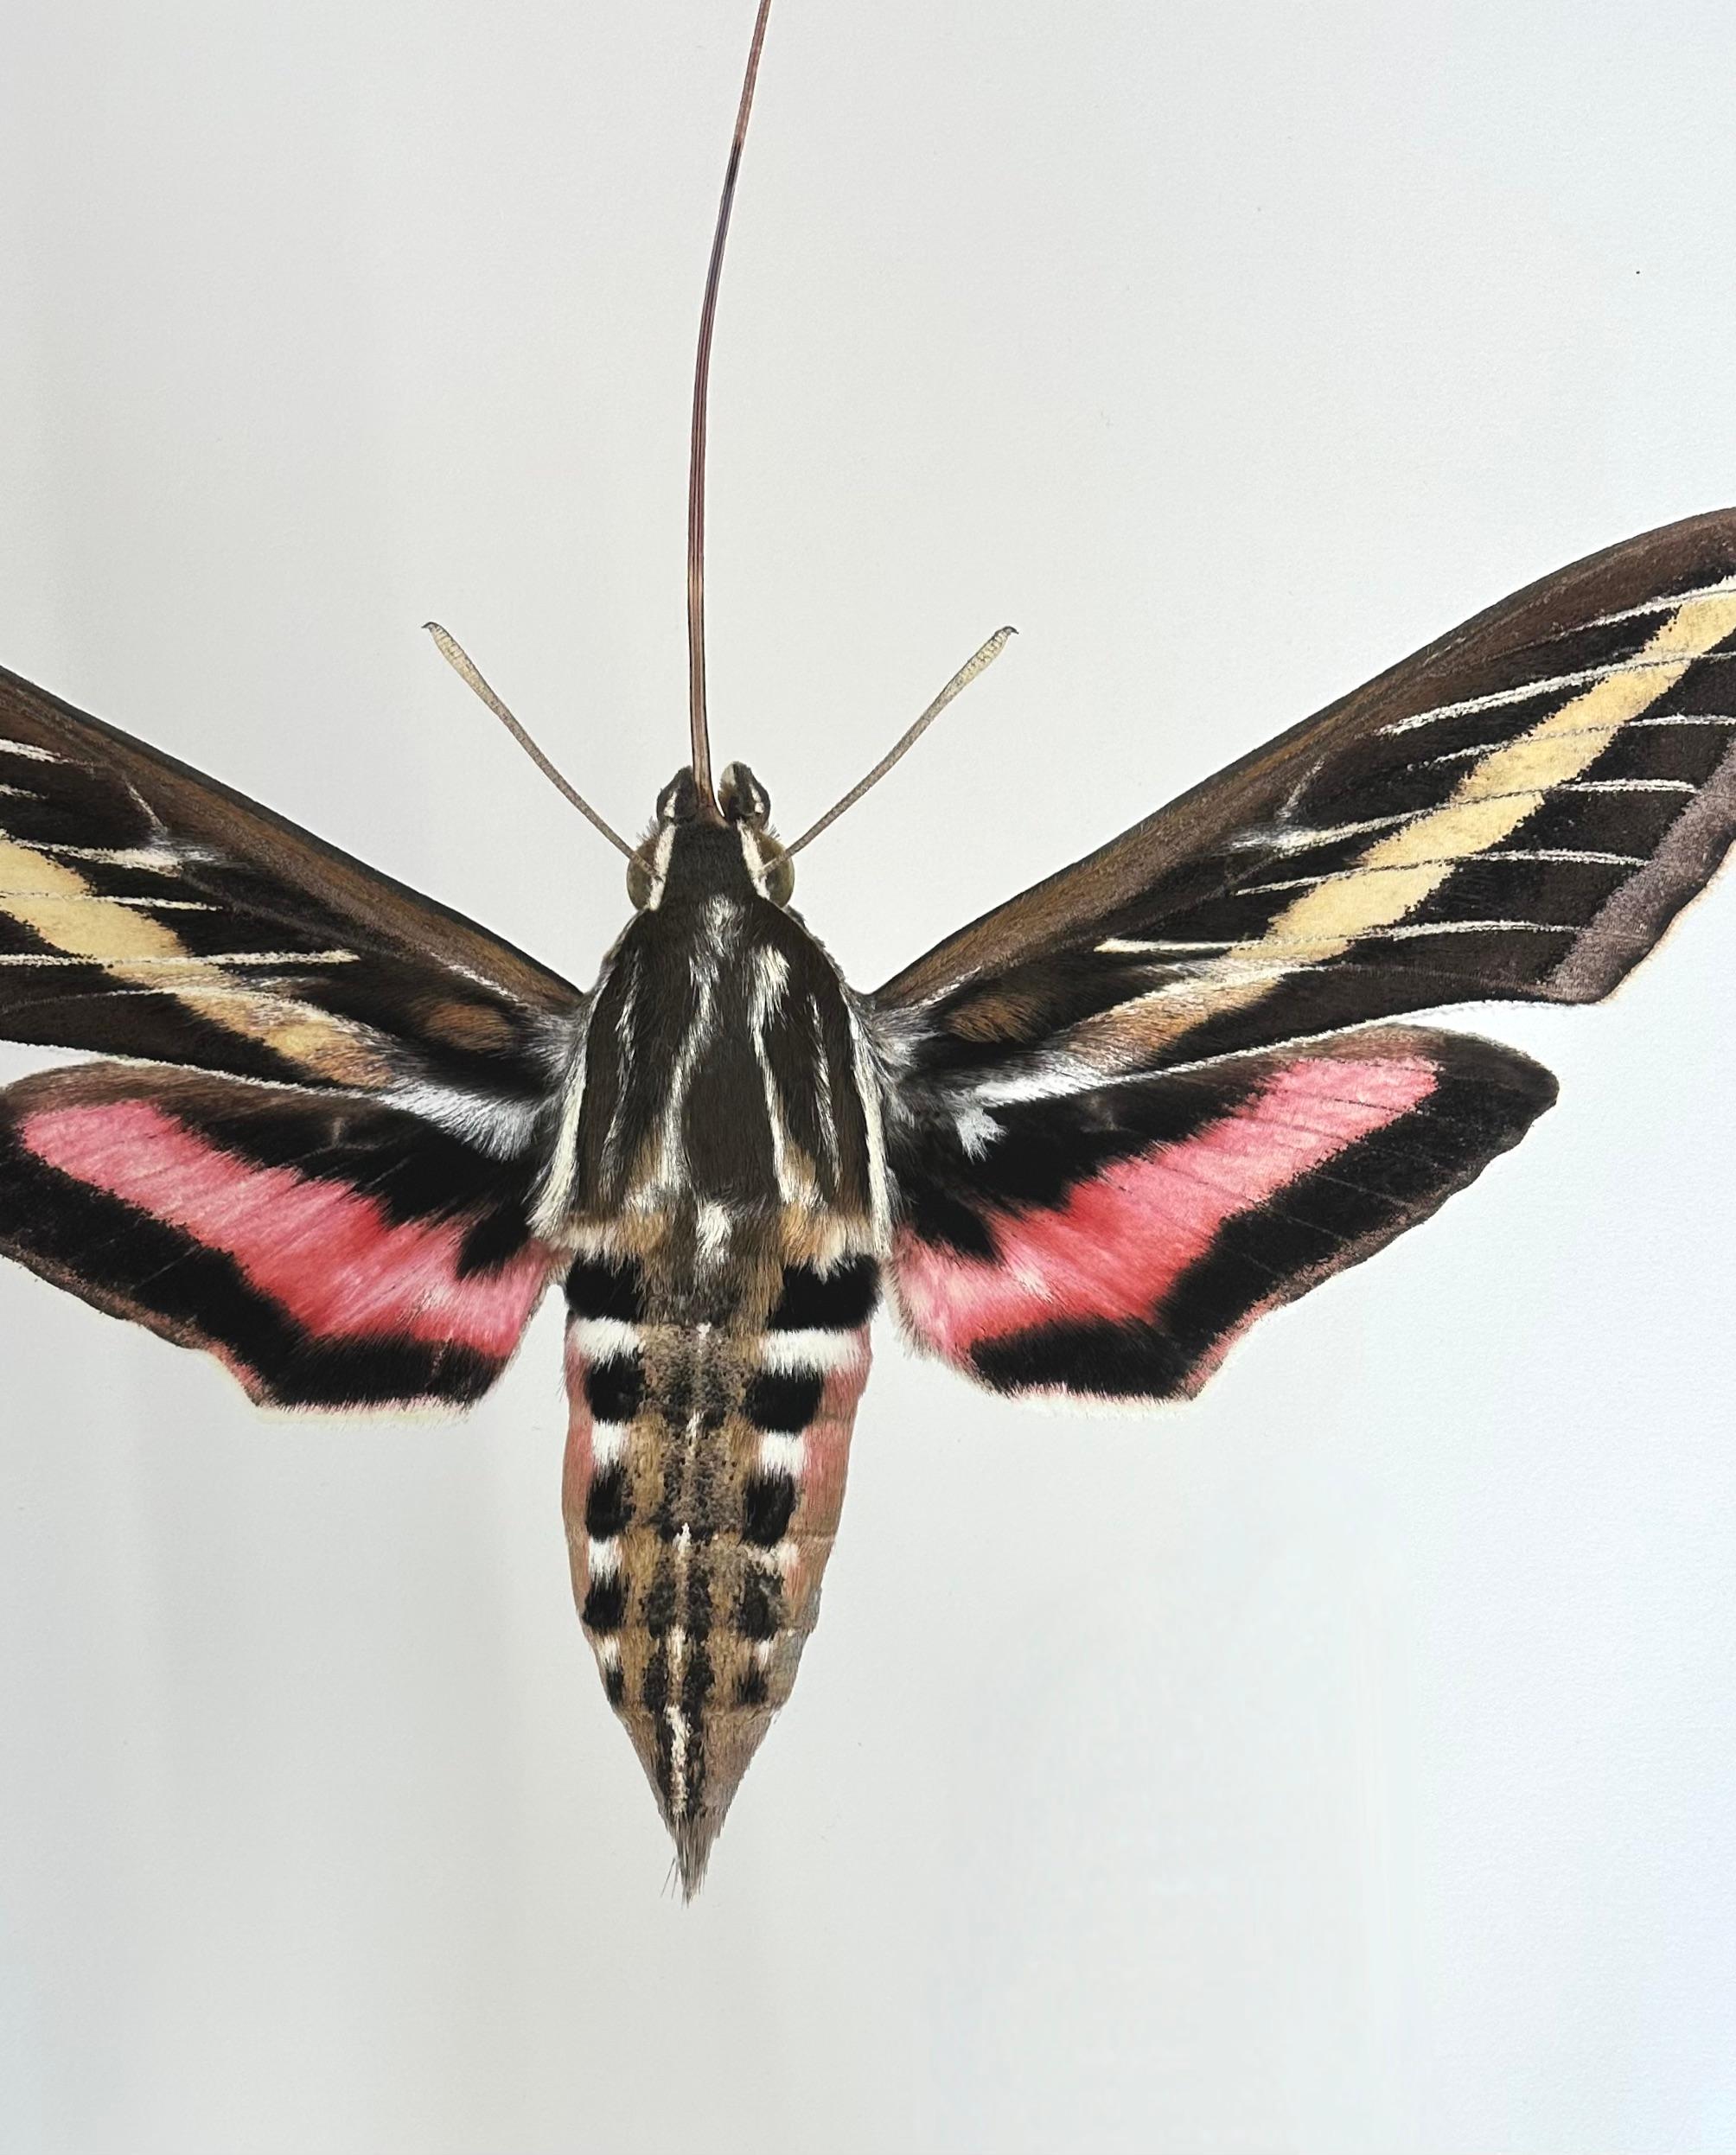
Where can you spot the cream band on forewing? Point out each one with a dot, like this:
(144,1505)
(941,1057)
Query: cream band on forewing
(1402,869)
(55,902)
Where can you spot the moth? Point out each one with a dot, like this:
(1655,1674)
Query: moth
(346,1140)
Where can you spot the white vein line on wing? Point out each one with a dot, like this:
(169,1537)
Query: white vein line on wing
(1302,837)
(29,749)
(1540,794)
(154,857)
(1664,604)
(103,897)
(1583,676)
(188,963)
(1631,725)
(1627,785)
(1583,854)
(498,1127)
(1305,838)
(1118,947)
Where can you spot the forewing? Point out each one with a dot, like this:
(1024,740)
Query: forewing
(1114,1242)
(1517,811)
(331,1251)
(147,911)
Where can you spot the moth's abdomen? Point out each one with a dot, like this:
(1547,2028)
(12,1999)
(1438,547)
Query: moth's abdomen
(705,1473)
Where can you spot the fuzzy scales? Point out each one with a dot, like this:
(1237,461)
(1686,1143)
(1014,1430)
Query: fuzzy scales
(720,1179)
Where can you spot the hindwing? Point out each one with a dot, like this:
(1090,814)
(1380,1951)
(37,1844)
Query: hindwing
(330,1251)
(1117,1243)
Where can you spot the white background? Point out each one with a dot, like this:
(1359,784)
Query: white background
(1342,1763)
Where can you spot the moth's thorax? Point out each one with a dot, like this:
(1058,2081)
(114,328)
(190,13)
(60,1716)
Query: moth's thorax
(724,1080)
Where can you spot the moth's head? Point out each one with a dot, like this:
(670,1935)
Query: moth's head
(745,806)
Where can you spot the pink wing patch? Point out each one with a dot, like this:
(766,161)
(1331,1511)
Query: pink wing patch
(330,1257)
(1131,1278)
(1115,1249)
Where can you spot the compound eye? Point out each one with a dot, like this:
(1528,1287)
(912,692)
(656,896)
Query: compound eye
(743,799)
(780,879)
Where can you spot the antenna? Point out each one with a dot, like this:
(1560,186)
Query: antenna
(461,663)
(961,681)
(696,466)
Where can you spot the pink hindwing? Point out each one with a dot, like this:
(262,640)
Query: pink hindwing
(1221,1195)
(332,1253)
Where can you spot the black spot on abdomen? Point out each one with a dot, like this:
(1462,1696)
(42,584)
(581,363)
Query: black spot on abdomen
(782,1402)
(838,1301)
(767,1503)
(608,1504)
(613,1389)
(605,1604)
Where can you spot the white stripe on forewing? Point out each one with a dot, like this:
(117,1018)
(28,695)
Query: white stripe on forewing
(1628,785)
(1271,946)
(1672,719)
(499,1129)
(1664,603)
(1303,838)
(104,897)
(186,962)
(1585,856)
(1158,947)
(162,859)
(1582,677)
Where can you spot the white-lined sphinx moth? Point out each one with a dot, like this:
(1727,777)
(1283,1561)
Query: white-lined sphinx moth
(351,1139)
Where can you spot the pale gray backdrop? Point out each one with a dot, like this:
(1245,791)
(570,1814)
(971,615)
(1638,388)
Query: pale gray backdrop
(1344,1763)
